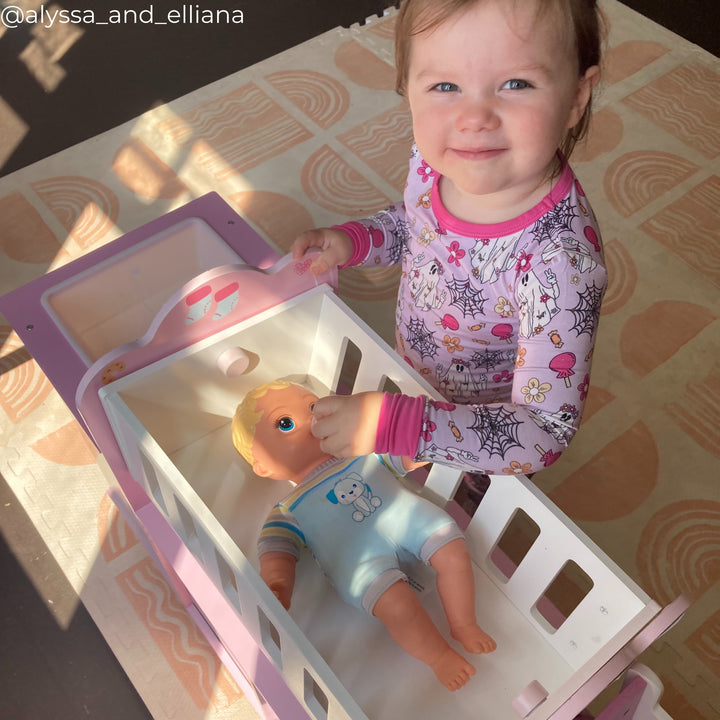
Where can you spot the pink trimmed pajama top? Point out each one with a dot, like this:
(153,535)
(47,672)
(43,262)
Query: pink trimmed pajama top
(501,319)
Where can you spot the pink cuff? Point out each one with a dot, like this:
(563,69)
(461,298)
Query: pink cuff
(400,423)
(360,238)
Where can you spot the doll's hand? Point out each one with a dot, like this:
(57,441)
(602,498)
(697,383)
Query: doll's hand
(336,248)
(277,569)
(347,424)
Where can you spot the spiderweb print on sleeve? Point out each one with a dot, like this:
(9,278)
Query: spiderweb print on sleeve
(400,235)
(421,339)
(587,311)
(398,231)
(559,219)
(496,429)
(469,300)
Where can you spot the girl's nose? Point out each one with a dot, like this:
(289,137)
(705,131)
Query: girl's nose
(477,114)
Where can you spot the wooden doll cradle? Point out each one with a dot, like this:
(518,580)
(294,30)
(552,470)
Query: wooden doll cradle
(153,357)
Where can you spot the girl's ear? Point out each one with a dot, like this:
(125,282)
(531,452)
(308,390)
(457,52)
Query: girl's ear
(260,470)
(582,95)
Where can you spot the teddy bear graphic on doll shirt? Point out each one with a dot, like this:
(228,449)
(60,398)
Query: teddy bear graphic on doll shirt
(351,490)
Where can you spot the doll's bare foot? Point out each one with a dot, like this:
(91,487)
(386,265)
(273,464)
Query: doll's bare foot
(452,670)
(473,638)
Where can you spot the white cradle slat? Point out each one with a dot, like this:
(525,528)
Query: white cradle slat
(612,603)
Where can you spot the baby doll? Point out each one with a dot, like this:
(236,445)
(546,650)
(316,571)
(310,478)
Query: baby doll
(353,514)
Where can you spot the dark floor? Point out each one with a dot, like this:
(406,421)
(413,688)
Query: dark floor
(53,661)
(115,73)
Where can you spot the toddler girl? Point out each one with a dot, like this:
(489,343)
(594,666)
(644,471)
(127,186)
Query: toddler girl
(502,267)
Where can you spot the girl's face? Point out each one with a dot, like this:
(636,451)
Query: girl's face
(492,92)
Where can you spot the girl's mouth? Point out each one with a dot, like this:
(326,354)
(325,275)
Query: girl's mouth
(477,153)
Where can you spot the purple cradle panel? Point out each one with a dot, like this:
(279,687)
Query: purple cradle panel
(59,354)
(210,303)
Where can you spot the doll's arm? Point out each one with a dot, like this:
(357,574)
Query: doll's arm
(277,569)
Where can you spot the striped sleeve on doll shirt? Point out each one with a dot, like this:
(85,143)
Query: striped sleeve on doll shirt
(281,533)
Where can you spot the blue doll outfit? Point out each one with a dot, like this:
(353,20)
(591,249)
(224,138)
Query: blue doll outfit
(358,520)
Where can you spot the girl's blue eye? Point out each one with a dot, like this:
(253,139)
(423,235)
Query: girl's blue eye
(285,424)
(446,87)
(517,85)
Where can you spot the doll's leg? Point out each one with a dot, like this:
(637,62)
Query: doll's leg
(456,587)
(399,609)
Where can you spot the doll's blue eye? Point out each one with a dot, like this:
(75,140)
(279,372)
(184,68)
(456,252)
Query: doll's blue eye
(285,424)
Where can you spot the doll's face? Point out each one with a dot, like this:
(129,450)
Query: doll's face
(283,446)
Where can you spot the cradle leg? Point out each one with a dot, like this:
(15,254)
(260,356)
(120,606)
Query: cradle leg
(638,699)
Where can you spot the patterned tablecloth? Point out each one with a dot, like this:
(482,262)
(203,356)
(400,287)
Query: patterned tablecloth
(314,136)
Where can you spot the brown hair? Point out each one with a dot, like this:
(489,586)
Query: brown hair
(418,16)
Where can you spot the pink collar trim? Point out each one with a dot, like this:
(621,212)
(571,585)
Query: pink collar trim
(508,227)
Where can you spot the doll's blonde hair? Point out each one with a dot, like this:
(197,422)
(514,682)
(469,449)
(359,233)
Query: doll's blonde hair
(582,16)
(247,415)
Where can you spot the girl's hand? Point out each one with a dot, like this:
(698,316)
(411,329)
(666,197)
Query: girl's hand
(347,424)
(335,245)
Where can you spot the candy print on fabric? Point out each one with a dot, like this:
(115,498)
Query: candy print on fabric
(448,322)
(563,364)
(499,318)
(503,331)
(547,457)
